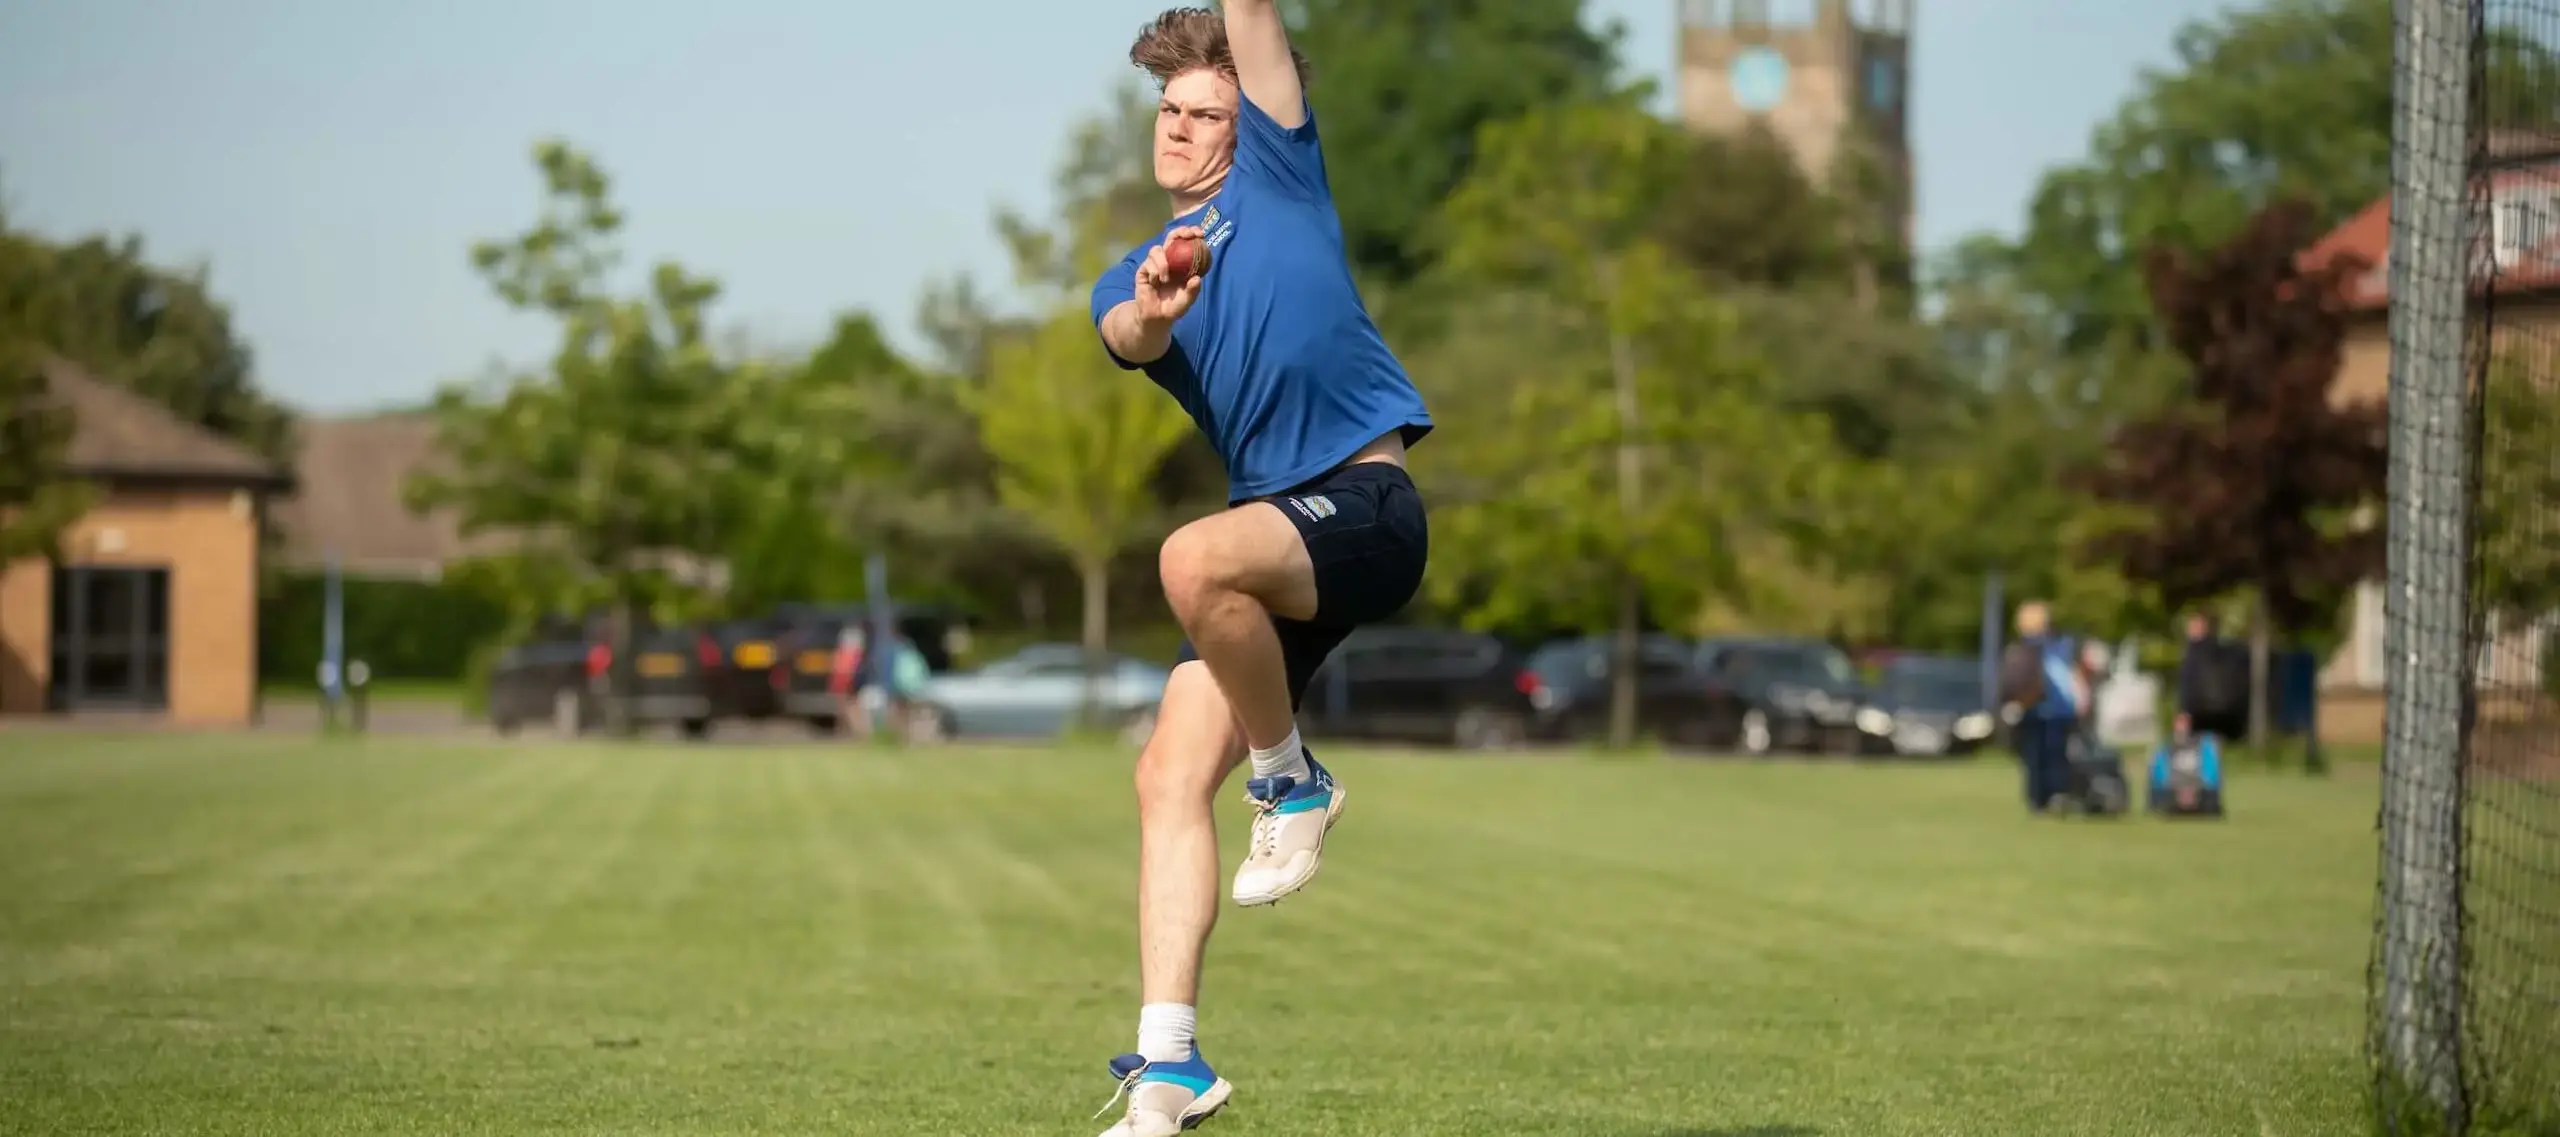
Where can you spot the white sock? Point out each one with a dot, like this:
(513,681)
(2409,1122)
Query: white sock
(1164,1031)
(1287,758)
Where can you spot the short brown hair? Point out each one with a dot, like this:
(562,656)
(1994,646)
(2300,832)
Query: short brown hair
(1191,39)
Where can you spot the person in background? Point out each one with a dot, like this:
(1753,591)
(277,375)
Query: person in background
(848,681)
(904,677)
(2186,774)
(2209,670)
(2044,690)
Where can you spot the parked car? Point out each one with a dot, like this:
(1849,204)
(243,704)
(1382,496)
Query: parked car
(543,680)
(1462,689)
(1677,701)
(742,686)
(1794,694)
(941,633)
(562,678)
(1038,692)
(1928,706)
(813,669)
(672,675)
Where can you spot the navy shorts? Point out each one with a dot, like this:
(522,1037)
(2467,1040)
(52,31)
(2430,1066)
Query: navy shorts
(1365,531)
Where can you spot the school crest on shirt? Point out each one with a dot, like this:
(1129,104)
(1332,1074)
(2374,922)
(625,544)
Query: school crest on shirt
(1217,227)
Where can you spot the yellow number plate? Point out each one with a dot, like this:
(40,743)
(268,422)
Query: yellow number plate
(755,655)
(660,665)
(817,662)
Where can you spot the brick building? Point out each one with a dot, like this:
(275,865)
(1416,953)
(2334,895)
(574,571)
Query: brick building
(154,606)
(2522,282)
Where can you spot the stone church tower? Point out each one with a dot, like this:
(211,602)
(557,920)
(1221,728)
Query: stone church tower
(1825,76)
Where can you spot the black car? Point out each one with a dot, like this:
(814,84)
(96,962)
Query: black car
(672,675)
(938,632)
(1462,689)
(813,669)
(743,686)
(1929,706)
(543,680)
(1676,701)
(1795,694)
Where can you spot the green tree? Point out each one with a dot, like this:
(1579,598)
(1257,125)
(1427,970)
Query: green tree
(2517,527)
(37,502)
(100,303)
(2286,100)
(823,434)
(1402,90)
(1612,446)
(618,457)
(2255,485)
(1804,263)
(878,454)
(1742,212)
(2291,99)
(1077,442)
(2001,416)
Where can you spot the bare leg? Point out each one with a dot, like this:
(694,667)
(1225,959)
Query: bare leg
(1225,576)
(1194,747)
(1168,1084)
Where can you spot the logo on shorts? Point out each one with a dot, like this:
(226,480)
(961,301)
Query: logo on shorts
(1316,507)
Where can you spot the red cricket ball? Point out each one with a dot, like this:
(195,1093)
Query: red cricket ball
(1186,257)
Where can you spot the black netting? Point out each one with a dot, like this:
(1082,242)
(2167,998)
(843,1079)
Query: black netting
(2466,977)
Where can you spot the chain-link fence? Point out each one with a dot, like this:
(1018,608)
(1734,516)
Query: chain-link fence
(2465,990)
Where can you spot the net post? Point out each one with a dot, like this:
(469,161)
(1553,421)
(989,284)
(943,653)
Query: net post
(2427,622)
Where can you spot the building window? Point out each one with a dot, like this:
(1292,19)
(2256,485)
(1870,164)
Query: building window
(2521,222)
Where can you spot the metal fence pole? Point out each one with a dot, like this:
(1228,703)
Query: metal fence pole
(2417,1017)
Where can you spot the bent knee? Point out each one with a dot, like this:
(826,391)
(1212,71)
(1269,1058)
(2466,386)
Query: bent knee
(1194,741)
(1187,565)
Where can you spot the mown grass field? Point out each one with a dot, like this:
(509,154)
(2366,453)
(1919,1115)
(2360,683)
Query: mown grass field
(261,935)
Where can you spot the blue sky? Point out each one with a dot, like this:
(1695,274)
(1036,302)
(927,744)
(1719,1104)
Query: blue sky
(332,162)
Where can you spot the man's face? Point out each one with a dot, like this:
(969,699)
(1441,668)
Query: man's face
(2197,626)
(2031,619)
(1195,133)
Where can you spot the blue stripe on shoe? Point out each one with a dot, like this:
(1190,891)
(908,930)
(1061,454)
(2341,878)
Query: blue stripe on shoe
(1191,1073)
(1196,1084)
(1303,803)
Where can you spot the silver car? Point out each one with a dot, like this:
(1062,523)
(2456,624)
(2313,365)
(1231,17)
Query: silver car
(1038,692)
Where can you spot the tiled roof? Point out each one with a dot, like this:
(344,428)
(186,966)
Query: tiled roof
(116,432)
(2534,265)
(353,472)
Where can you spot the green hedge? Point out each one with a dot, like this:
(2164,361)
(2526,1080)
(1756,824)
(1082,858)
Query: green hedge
(401,629)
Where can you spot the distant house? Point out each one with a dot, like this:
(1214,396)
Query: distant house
(351,506)
(352,474)
(154,605)
(2522,185)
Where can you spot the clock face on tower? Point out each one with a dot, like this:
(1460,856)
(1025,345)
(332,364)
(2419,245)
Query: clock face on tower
(1759,78)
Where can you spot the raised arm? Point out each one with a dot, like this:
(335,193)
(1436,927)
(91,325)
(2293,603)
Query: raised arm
(1265,67)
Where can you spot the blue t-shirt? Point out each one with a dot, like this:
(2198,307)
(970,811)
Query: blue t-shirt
(2060,658)
(1277,360)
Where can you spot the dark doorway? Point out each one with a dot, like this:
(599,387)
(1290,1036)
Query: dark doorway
(110,639)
